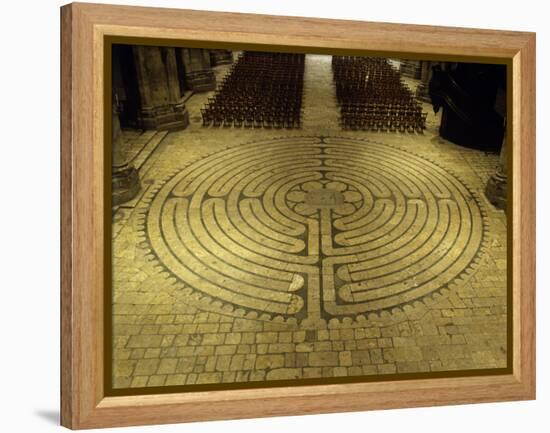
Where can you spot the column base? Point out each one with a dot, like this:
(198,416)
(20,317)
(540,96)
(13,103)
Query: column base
(201,81)
(410,68)
(172,117)
(423,94)
(125,185)
(221,57)
(496,190)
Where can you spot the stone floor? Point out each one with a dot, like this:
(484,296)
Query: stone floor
(254,255)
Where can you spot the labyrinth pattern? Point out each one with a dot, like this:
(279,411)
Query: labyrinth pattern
(315,228)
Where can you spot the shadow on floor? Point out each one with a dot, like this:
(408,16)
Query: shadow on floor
(50,415)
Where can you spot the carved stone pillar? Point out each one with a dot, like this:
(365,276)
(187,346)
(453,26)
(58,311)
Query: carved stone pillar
(496,190)
(422,91)
(125,178)
(161,104)
(410,68)
(221,57)
(198,72)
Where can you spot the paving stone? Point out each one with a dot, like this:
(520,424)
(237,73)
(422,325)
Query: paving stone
(269,361)
(124,367)
(203,378)
(157,380)
(233,338)
(360,357)
(146,367)
(345,359)
(167,366)
(226,350)
(185,365)
(321,359)
(284,373)
(144,341)
(223,362)
(237,362)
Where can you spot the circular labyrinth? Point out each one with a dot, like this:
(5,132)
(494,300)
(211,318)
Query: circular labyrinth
(315,227)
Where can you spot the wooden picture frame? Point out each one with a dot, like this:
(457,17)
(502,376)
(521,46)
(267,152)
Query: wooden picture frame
(84,30)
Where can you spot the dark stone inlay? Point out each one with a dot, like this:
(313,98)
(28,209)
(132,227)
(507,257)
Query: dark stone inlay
(324,198)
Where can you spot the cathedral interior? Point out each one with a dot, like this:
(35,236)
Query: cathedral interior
(283,216)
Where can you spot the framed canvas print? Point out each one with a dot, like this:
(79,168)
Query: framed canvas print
(267,216)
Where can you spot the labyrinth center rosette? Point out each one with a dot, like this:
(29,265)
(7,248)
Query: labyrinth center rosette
(314,228)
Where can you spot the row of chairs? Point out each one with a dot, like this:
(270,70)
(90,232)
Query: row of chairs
(402,122)
(260,90)
(372,96)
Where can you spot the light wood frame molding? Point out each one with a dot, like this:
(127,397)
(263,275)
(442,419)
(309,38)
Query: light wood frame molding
(83,29)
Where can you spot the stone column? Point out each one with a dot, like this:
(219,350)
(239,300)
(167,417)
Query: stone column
(198,72)
(221,57)
(125,178)
(410,68)
(422,91)
(496,190)
(162,107)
